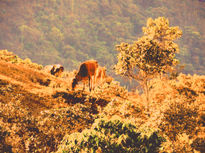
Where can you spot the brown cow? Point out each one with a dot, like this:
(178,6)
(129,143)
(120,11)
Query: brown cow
(87,71)
(55,70)
(100,75)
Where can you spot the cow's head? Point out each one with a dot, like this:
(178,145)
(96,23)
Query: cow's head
(74,83)
(57,70)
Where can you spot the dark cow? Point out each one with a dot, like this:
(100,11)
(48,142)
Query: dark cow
(55,70)
(86,72)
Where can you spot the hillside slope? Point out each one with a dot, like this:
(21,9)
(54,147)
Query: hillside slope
(40,112)
(37,109)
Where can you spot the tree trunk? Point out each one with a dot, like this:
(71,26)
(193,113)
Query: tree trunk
(147,93)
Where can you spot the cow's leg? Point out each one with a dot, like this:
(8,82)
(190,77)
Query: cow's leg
(89,83)
(94,77)
(94,81)
(84,85)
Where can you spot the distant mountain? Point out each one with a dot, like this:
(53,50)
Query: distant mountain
(69,32)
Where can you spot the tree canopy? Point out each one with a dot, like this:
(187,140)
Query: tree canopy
(152,53)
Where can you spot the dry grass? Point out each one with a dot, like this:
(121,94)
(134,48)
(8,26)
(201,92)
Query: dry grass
(37,109)
(34,108)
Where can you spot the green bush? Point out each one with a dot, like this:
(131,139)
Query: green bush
(110,136)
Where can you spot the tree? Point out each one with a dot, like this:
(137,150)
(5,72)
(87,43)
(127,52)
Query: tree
(113,135)
(56,36)
(150,55)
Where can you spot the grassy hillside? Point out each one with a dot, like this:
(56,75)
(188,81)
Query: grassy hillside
(37,109)
(40,113)
(69,32)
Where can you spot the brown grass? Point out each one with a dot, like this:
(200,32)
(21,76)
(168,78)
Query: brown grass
(38,109)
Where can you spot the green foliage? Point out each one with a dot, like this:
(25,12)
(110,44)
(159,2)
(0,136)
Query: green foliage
(112,135)
(153,53)
(150,55)
(35,118)
(94,27)
(177,109)
(55,34)
(180,117)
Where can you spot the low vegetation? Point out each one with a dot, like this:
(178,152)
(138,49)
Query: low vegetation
(39,112)
(12,58)
(112,135)
(50,118)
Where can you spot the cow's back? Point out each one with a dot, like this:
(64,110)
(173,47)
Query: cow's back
(92,67)
(100,73)
(88,68)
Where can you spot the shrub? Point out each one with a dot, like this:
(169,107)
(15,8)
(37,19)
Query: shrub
(112,135)
(180,104)
(12,58)
(109,90)
(180,118)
